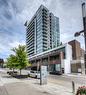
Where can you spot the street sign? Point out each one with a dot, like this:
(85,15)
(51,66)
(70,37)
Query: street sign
(43,75)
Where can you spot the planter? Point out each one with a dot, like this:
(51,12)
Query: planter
(20,76)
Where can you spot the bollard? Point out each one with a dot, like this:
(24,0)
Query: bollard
(73,87)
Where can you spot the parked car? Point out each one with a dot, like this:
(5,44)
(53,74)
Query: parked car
(34,74)
(11,72)
(56,73)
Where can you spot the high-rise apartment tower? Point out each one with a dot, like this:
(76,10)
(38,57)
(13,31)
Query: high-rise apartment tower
(42,32)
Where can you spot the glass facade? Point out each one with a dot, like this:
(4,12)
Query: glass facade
(54,31)
(42,32)
(30,38)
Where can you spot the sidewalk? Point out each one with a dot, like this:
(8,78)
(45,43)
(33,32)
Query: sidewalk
(29,86)
(13,86)
(75,75)
(53,89)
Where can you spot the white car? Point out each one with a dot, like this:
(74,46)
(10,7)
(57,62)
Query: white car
(34,74)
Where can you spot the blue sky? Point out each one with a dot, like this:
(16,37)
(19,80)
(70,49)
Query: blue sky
(14,13)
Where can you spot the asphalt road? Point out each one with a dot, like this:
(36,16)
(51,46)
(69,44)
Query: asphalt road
(67,80)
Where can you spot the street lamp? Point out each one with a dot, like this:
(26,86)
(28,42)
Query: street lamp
(83,31)
(77,34)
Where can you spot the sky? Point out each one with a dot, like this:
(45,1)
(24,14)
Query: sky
(14,13)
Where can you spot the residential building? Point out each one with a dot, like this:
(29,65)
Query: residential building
(43,44)
(54,31)
(42,32)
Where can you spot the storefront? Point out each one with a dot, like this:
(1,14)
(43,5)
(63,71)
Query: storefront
(56,60)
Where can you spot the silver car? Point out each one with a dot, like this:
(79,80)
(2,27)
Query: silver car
(34,74)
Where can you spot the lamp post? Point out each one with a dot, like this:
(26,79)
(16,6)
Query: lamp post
(83,31)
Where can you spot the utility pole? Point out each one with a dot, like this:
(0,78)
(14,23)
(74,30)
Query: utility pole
(83,31)
(84,25)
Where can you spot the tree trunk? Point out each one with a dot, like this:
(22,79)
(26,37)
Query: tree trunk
(13,70)
(20,71)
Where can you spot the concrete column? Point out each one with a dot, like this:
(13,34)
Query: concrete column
(48,62)
(61,60)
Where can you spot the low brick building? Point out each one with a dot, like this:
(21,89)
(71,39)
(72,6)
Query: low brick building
(77,63)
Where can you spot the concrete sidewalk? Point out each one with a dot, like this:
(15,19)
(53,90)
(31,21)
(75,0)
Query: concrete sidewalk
(13,86)
(53,89)
(23,89)
(75,75)
(29,86)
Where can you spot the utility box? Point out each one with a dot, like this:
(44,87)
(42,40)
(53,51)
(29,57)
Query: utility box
(43,75)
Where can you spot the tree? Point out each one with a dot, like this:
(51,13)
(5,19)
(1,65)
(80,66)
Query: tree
(21,57)
(11,62)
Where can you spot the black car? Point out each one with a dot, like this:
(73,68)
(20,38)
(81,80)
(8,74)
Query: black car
(56,73)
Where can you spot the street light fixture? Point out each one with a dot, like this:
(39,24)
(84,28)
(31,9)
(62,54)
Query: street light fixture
(77,34)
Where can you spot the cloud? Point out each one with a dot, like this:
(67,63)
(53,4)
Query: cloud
(12,32)
(4,2)
(14,13)
(70,16)
(16,43)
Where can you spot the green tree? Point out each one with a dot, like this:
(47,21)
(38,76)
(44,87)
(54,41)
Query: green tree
(11,62)
(21,57)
